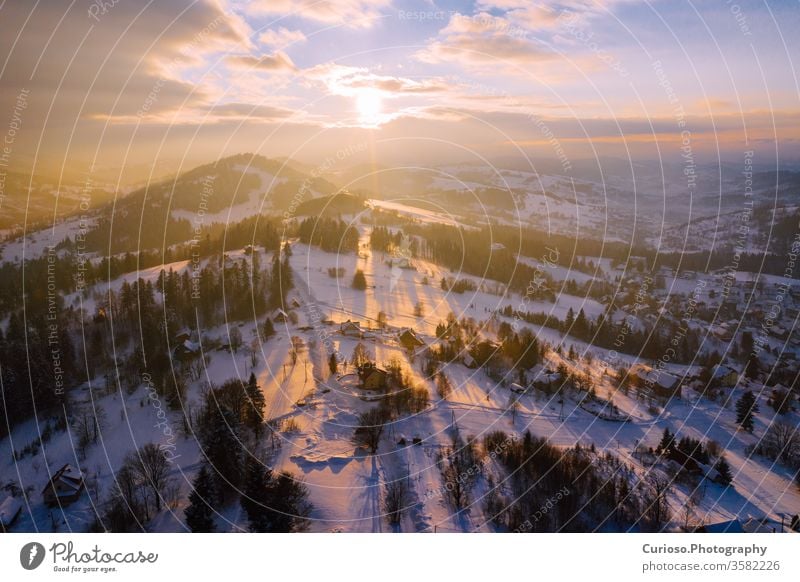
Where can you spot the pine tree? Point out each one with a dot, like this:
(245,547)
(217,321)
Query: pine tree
(333,364)
(288,498)
(268,329)
(581,327)
(255,409)
(255,501)
(724,471)
(569,320)
(281,281)
(199,512)
(273,503)
(751,368)
(221,445)
(359,280)
(667,442)
(746,407)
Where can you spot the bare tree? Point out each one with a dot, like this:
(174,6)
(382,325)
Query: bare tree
(297,345)
(255,347)
(88,424)
(151,467)
(460,467)
(236,339)
(656,502)
(688,512)
(395,500)
(361,356)
(196,368)
(443,385)
(369,430)
(513,408)
(781,441)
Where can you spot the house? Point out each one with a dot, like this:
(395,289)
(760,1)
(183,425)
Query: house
(295,303)
(186,350)
(10,508)
(65,487)
(409,339)
(662,384)
(182,336)
(543,377)
(725,376)
(280,316)
(375,379)
(469,361)
(350,329)
(723,333)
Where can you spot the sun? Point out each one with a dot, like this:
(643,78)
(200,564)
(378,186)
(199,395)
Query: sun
(370,106)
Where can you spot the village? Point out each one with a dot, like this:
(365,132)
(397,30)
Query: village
(383,379)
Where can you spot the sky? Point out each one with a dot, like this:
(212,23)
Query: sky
(160,86)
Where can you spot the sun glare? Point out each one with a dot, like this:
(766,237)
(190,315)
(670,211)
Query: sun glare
(370,106)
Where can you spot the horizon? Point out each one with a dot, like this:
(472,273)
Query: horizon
(400,266)
(571,80)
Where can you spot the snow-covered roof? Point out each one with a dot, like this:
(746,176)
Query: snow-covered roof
(191,346)
(720,371)
(410,334)
(69,478)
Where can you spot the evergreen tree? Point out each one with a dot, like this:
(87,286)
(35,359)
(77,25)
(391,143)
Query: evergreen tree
(199,512)
(359,280)
(569,320)
(746,407)
(724,471)
(273,503)
(282,281)
(667,442)
(221,444)
(254,410)
(268,329)
(581,327)
(333,364)
(254,499)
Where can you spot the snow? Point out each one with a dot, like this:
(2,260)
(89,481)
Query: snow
(256,203)
(315,412)
(418,213)
(35,244)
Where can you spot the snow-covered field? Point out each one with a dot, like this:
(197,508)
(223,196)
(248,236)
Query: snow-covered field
(345,483)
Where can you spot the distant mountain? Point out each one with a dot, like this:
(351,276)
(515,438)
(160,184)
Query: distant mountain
(222,192)
(32,202)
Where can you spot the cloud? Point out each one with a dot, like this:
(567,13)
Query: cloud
(81,73)
(350,13)
(544,15)
(281,37)
(278,61)
(347,81)
(248,111)
(481,40)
